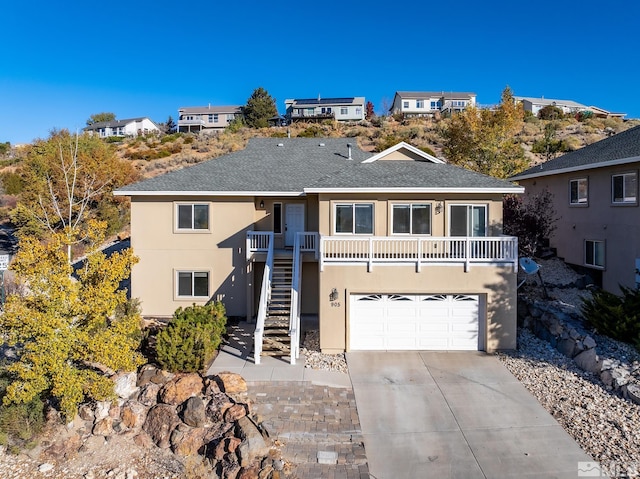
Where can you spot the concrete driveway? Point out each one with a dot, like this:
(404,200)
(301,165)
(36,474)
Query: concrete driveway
(455,415)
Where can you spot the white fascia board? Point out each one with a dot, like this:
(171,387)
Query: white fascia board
(208,193)
(505,190)
(604,164)
(409,147)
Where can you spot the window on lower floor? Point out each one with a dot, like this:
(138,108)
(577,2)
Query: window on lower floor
(624,188)
(192,216)
(344,110)
(411,218)
(193,284)
(594,253)
(436,105)
(578,191)
(354,218)
(405,104)
(419,103)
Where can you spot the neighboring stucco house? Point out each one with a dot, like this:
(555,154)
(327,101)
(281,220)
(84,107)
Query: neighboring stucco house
(595,192)
(392,251)
(315,109)
(428,103)
(206,119)
(128,127)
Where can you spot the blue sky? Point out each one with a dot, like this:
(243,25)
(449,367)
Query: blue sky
(60,62)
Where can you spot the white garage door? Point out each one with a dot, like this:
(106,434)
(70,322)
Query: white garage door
(413,322)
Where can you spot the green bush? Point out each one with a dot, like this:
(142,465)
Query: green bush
(12,183)
(189,342)
(19,423)
(615,316)
(550,112)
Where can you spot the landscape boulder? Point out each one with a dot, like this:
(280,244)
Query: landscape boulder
(181,388)
(160,423)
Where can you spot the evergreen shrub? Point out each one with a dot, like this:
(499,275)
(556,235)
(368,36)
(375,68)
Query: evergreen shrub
(189,342)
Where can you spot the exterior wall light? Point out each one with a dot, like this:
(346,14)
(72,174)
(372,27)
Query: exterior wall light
(261,204)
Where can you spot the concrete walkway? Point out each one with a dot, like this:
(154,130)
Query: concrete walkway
(237,357)
(455,415)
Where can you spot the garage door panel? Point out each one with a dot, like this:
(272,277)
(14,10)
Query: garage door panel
(414,322)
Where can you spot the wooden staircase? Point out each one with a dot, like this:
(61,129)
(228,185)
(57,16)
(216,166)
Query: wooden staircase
(276,340)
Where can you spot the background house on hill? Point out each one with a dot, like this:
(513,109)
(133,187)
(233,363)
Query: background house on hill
(428,103)
(318,109)
(206,119)
(128,127)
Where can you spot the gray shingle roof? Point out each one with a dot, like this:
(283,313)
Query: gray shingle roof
(429,94)
(301,163)
(112,124)
(620,147)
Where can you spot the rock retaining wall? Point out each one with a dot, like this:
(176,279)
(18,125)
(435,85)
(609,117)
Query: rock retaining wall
(563,329)
(187,414)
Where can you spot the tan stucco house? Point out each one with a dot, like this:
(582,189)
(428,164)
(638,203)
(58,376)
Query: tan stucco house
(390,251)
(595,191)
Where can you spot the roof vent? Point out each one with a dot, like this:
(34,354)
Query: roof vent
(320,144)
(280,144)
(349,147)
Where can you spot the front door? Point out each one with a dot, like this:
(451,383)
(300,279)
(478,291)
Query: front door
(293,222)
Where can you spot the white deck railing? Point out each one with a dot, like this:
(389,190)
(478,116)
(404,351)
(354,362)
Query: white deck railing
(258,241)
(419,251)
(266,244)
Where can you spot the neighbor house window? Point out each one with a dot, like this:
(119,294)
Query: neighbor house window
(405,104)
(578,191)
(413,218)
(624,188)
(354,218)
(468,220)
(192,216)
(419,103)
(594,253)
(435,105)
(344,110)
(193,284)
(277,218)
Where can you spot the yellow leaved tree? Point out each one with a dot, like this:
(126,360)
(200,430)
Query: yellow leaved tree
(71,330)
(485,140)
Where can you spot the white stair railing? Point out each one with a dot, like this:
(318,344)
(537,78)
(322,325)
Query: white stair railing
(305,242)
(265,292)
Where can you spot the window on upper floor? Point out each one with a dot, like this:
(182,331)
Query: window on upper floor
(411,218)
(579,191)
(436,105)
(594,253)
(358,111)
(344,110)
(624,188)
(192,216)
(354,218)
(405,104)
(468,220)
(192,284)
(419,103)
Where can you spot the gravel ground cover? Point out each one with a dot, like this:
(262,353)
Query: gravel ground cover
(314,359)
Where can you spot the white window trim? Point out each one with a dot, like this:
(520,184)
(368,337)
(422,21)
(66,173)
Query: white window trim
(624,202)
(192,230)
(411,204)
(353,207)
(586,199)
(604,254)
(177,296)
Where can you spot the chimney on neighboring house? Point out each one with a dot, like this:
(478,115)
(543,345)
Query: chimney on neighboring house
(349,148)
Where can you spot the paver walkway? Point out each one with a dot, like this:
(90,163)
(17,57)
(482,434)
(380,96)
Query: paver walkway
(308,419)
(306,411)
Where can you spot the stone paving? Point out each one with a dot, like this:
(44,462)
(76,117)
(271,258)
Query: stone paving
(308,419)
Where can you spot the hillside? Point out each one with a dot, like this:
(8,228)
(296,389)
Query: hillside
(153,156)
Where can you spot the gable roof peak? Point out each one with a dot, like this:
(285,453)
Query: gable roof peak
(403,145)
